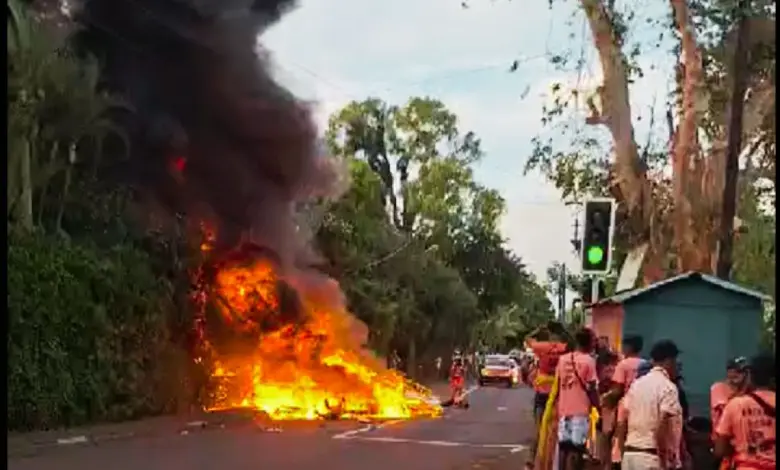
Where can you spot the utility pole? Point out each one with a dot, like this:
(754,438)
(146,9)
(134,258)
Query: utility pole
(594,293)
(736,107)
(562,293)
(575,241)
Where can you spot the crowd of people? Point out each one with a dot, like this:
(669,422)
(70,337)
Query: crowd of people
(600,409)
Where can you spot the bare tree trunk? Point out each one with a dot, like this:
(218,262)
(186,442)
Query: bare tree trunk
(634,189)
(65,189)
(411,360)
(24,207)
(616,108)
(53,153)
(686,147)
(726,232)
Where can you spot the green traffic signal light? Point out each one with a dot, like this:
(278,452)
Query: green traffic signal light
(599,220)
(595,255)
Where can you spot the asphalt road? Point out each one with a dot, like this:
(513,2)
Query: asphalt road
(491,435)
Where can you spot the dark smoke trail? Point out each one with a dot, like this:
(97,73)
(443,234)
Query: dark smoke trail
(205,97)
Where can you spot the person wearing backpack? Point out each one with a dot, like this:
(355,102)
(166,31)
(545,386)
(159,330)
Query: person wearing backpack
(577,394)
(723,391)
(746,432)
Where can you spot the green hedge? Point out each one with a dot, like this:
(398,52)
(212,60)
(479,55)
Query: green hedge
(89,337)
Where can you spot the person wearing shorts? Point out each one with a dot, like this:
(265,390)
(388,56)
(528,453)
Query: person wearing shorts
(577,378)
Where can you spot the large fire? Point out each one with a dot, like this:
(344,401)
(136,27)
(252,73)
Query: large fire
(312,366)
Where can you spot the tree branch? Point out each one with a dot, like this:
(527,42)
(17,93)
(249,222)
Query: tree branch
(616,113)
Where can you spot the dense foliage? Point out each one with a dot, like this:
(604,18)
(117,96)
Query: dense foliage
(98,304)
(89,336)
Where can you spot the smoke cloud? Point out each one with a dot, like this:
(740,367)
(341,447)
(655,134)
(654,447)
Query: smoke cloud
(204,95)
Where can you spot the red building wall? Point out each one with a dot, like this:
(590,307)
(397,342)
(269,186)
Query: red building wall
(607,320)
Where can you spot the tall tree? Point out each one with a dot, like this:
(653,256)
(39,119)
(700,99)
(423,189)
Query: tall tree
(423,176)
(421,158)
(676,216)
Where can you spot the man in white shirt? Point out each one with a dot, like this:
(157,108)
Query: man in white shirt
(650,427)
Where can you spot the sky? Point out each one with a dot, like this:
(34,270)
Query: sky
(336,51)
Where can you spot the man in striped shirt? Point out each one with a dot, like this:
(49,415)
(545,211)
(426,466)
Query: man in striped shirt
(650,430)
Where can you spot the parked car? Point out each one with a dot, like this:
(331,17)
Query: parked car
(499,368)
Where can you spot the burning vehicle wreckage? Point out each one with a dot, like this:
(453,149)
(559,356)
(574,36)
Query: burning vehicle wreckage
(287,347)
(215,137)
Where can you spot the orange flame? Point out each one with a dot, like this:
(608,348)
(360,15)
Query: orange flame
(317,369)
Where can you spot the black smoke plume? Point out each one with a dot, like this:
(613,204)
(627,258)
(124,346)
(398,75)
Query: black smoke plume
(204,98)
(213,135)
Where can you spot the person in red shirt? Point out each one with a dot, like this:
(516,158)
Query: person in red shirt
(577,378)
(624,374)
(547,352)
(458,382)
(746,429)
(722,392)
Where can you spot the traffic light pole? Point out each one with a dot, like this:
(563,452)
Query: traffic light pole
(594,290)
(562,293)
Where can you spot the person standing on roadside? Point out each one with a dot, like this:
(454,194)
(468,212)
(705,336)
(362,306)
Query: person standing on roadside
(746,430)
(626,369)
(471,365)
(577,380)
(650,425)
(541,375)
(602,345)
(625,373)
(606,364)
(721,392)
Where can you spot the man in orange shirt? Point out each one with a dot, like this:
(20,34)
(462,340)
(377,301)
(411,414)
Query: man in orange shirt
(625,373)
(746,430)
(547,353)
(722,392)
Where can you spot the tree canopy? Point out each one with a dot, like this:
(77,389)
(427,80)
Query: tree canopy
(416,168)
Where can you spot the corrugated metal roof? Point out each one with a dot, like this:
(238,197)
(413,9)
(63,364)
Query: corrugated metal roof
(621,297)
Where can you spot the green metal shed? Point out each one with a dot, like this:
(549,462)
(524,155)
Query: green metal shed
(710,319)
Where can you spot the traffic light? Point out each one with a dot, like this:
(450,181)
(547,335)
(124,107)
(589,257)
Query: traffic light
(597,237)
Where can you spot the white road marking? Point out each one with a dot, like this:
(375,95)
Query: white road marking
(502,408)
(72,440)
(371,427)
(513,448)
(356,434)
